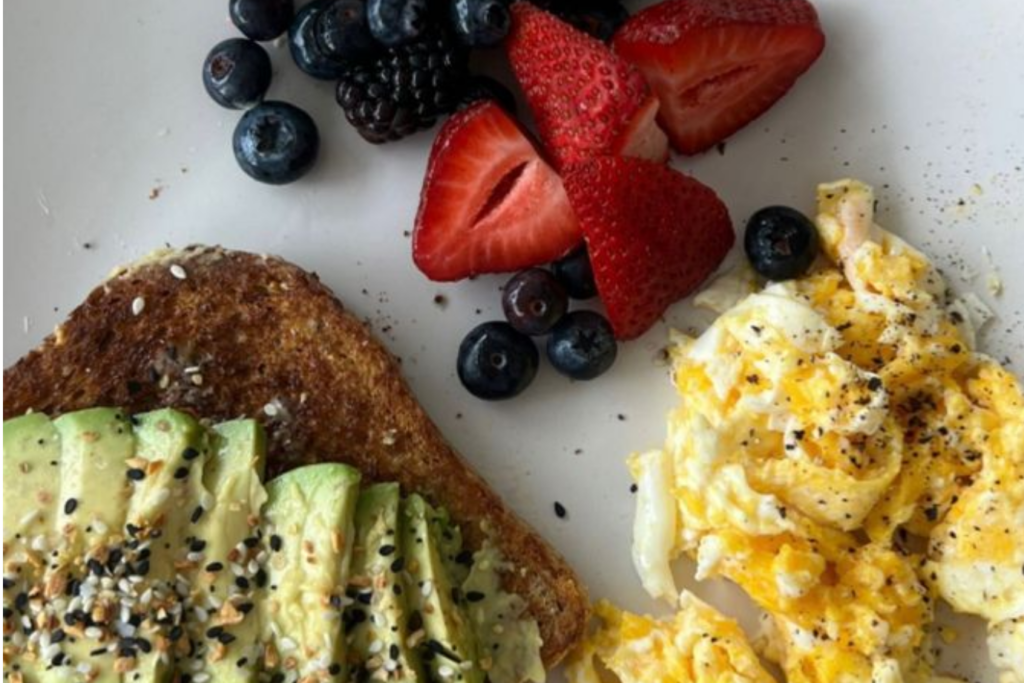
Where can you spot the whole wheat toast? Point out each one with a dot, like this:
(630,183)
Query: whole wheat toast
(247,335)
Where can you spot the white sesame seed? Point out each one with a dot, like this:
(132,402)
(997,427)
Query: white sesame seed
(50,651)
(206,500)
(428,588)
(237,569)
(201,677)
(99,527)
(147,596)
(194,557)
(29,518)
(39,543)
(390,665)
(466,665)
(446,671)
(85,668)
(270,410)
(178,272)
(191,370)
(138,305)
(93,633)
(287,644)
(202,616)
(375,647)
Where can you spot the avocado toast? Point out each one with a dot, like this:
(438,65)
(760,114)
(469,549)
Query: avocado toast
(324,389)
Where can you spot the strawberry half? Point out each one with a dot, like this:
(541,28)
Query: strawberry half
(585,100)
(716,65)
(489,203)
(654,235)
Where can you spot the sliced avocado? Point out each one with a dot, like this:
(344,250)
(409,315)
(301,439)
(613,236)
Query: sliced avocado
(95,445)
(167,502)
(376,621)
(447,640)
(226,536)
(309,527)
(31,477)
(509,640)
(31,490)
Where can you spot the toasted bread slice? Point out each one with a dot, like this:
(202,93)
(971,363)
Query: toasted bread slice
(228,334)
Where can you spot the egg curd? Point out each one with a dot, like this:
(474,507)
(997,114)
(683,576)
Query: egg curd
(843,454)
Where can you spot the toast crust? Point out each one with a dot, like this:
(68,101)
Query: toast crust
(249,335)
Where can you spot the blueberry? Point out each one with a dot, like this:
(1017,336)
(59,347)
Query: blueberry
(576,274)
(329,35)
(534,301)
(481,23)
(261,19)
(496,362)
(394,22)
(582,345)
(236,73)
(780,242)
(486,88)
(276,142)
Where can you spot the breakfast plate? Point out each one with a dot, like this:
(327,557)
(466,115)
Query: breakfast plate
(115,149)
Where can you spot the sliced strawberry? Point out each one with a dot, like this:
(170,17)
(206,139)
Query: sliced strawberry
(489,203)
(585,100)
(716,65)
(654,235)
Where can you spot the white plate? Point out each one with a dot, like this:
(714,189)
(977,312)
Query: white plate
(105,109)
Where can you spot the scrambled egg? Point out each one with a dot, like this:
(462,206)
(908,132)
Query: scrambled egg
(843,454)
(698,645)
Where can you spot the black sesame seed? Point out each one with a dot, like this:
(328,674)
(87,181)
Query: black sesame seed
(875,383)
(226,638)
(245,607)
(393,651)
(398,565)
(142,568)
(415,622)
(242,582)
(95,566)
(633,488)
(334,669)
(475,596)
(465,558)
(260,578)
(214,631)
(560,510)
(196,514)
(8,613)
(175,633)
(190,453)
(181,472)
(214,566)
(197,545)
(397,588)
(135,474)
(250,542)
(57,635)
(98,652)
(386,550)
(365,597)
(8,583)
(132,529)
(242,662)
(144,645)
(70,505)
(57,659)
(275,543)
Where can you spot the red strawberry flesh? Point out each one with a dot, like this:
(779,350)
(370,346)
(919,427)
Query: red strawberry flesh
(586,101)
(489,203)
(653,234)
(718,64)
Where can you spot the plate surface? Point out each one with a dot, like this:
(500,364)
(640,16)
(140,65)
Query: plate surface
(113,148)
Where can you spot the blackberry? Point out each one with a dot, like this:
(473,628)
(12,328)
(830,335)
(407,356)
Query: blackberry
(406,89)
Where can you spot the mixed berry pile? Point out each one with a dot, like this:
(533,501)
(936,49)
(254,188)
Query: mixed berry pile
(583,203)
